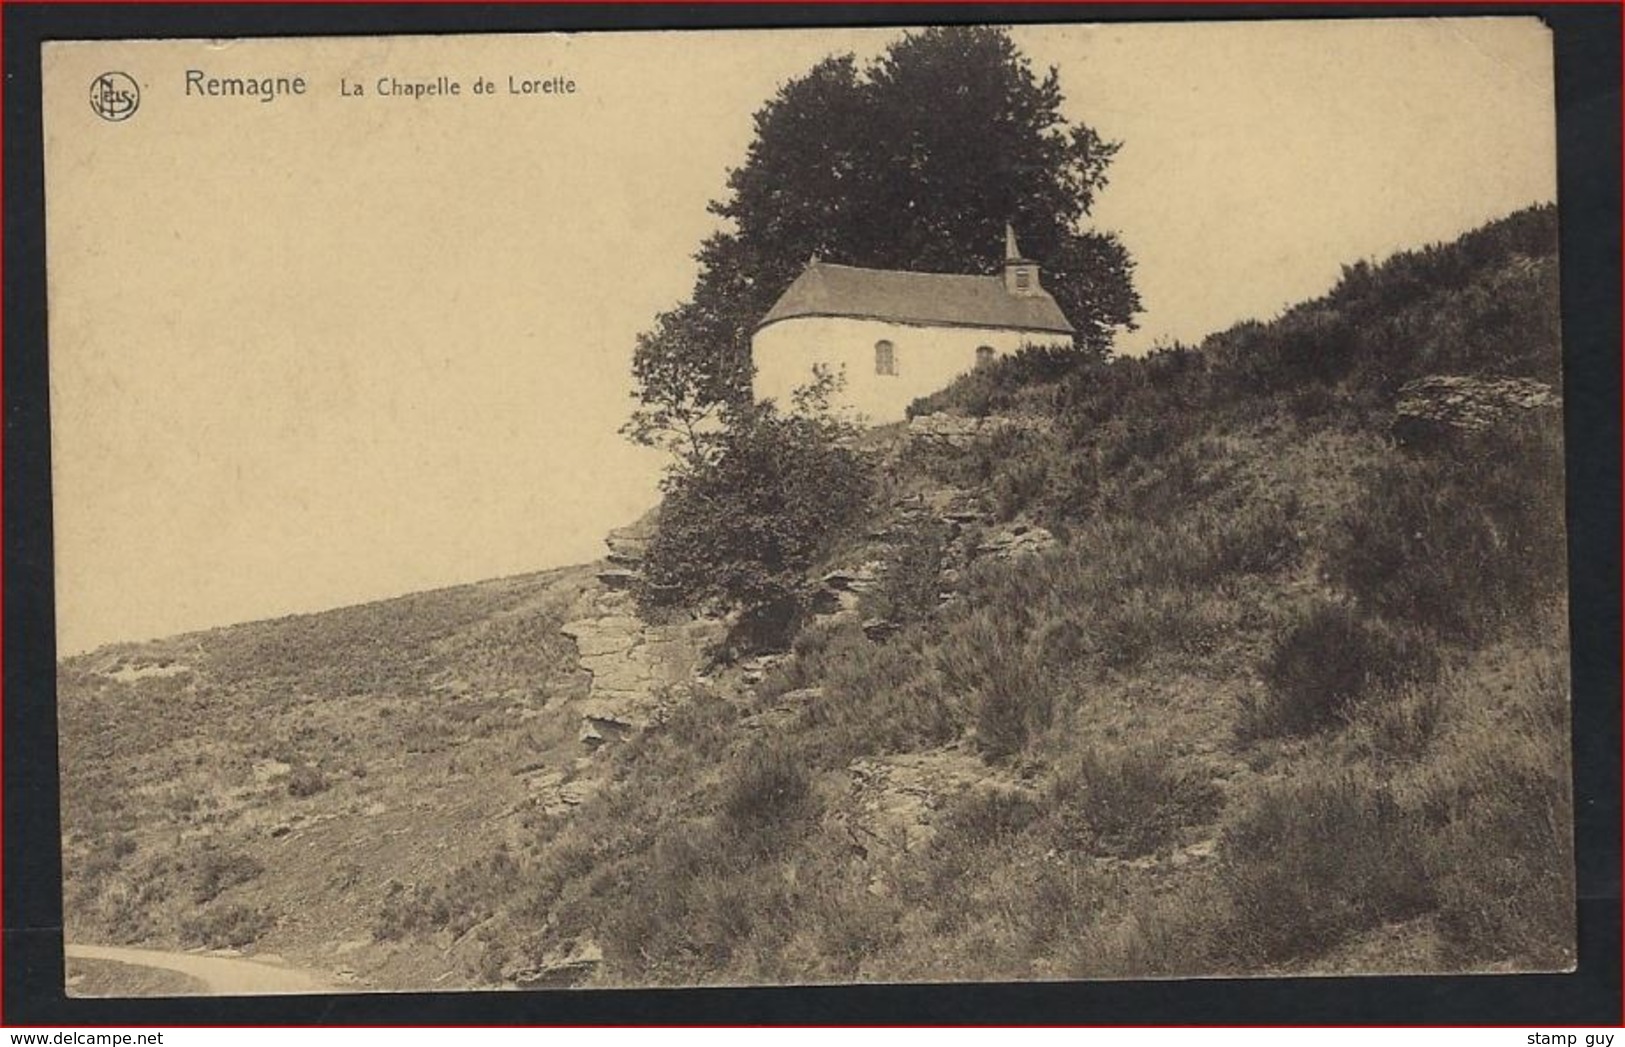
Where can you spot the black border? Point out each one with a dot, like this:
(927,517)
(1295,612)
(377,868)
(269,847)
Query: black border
(1587,38)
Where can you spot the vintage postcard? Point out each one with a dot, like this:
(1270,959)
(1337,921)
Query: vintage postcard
(969,503)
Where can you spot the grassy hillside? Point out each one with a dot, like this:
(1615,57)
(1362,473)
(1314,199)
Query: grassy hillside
(267,785)
(1275,692)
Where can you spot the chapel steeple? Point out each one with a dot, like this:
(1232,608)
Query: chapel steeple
(1020,274)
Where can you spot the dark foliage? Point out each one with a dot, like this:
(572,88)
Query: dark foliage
(1328,662)
(769,791)
(916,162)
(1005,385)
(1129,802)
(1466,543)
(1486,304)
(305,780)
(227,926)
(217,871)
(910,590)
(744,525)
(1315,862)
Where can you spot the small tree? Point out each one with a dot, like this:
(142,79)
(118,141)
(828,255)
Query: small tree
(742,523)
(682,402)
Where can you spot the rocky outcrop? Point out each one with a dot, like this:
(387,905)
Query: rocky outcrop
(1437,408)
(1016,540)
(756,668)
(619,578)
(638,669)
(783,712)
(955,431)
(629,545)
(944,514)
(880,629)
(895,803)
(854,580)
(555,792)
(840,591)
(570,966)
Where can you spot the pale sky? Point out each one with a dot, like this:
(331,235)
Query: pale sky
(330,349)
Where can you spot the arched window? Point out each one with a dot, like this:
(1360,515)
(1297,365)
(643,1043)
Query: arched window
(885,358)
(1023,279)
(984,355)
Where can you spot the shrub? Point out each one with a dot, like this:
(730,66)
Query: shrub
(769,791)
(1009,710)
(216,871)
(1128,802)
(306,780)
(1465,545)
(227,926)
(1144,621)
(984,659)
(471,895)
(852,927)
(1327,663)
(1178,929)
(981,825)
(989,816)
(1020,483)
(1311,402)
(1495,794)
(1504,869)
(1316,860)
(1258,538)
(815,647)
(878,698)
(409,910)
(1405,722)
(654,927)
(911,586)
(119,908)
(745,524)
(997,387)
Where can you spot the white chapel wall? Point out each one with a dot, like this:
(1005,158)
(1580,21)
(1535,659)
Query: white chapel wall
(926,359)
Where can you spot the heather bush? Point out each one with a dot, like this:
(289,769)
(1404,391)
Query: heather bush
(1005,384)
(306,780)
(764,794)
(471,895)
(878,698)
(1330,660)
(1128,801)
(1180,930)
(1318,859)
(227,926)
(988,816)
(1498,839)
(1465,544)
(1486,304)
(409,910)
(217,871)
(910,588)
(984,661)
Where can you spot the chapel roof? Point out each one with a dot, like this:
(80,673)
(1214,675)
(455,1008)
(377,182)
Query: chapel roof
(933,299)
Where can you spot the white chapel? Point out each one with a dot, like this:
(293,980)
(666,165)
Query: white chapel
(894,336)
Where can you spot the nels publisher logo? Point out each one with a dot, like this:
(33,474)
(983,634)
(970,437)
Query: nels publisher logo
(114,96)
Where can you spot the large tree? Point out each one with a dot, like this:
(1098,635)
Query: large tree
(916,161)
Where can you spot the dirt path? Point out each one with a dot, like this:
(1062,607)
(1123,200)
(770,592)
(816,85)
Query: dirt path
(225,976)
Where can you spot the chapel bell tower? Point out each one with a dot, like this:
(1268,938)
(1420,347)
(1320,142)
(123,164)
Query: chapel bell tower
(1020,274)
